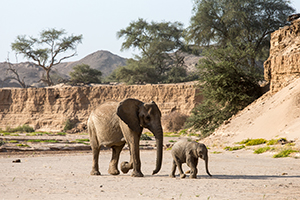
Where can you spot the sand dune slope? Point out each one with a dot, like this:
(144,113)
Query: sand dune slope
(269,117)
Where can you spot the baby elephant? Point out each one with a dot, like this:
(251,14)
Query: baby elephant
(188,152)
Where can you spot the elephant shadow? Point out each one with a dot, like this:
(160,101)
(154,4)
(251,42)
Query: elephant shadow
(229,177)
(246,177)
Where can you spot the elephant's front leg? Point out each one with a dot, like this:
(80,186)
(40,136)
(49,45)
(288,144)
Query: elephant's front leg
(135,157)
(192,163)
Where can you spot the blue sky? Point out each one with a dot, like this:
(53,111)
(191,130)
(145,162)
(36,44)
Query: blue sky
(97,20)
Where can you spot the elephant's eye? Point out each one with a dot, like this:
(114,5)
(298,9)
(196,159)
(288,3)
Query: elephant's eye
(148,117)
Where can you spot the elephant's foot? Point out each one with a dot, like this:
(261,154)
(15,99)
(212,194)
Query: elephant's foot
(113,171)
(192,176)
(95,173)
(172,175)
(125,167)
(137,174)
(182,175)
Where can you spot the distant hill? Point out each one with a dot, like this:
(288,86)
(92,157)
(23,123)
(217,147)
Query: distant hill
(104,61)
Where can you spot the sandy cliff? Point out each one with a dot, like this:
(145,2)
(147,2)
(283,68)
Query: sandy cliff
(283,64)
(277,113)
(49,108)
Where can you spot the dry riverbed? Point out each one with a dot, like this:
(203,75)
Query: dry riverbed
(236,175)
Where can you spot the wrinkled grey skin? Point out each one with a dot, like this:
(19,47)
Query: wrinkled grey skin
(112,124)
(188,152)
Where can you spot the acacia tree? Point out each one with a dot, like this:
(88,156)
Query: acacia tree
(159,44)
(239,32)
(46,50)
(82,73)
(247,22)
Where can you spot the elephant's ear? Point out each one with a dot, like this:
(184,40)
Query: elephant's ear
(128,111)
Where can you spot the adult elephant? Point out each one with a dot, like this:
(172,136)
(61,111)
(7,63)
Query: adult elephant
(112,124)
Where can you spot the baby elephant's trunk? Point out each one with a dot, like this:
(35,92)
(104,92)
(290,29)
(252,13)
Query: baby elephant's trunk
(206,164)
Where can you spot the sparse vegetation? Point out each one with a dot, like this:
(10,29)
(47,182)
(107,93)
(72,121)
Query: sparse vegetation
(263,150)
(145,137)
(13,141)
(68,125)
(216,152)
(2,142)
(19,129)
(82,141)
(252,142)
(171,134)
(234,148)
(23,145)
(284,153)
(272,142)
(46,141)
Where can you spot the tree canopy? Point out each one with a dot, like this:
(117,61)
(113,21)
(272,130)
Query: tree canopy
(237,36)
(220,22)
(84,74)
(160,45)
(46,50)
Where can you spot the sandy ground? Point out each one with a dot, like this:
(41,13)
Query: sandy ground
(236,175)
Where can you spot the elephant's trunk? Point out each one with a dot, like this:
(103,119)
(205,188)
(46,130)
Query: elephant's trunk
(159,152)
(206,165)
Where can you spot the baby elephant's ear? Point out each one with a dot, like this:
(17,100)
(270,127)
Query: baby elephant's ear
(128,111)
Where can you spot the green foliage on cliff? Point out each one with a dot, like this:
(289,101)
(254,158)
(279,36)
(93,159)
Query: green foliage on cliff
(230,74)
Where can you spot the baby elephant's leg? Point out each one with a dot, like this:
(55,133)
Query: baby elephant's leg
(172,175)
(179,165)
(192,163)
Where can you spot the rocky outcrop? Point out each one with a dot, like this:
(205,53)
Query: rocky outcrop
(49,108)
(283,64)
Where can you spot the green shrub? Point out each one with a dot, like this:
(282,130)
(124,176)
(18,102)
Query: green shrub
(61,133)
(34,140)
(262,150)
(234,148)
(82,141)
(284,153)
(272,142)
(2,142)
(252,142)
(50,141)
(13,141)
(145,137)
(68,125)
(5,133)
(23,145)
(171,134)
(276,141)
(216,152)
(20,129)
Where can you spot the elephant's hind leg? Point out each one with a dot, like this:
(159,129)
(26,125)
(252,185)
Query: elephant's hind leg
(113,165)
(126,166)
(172,175)
(95,168)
